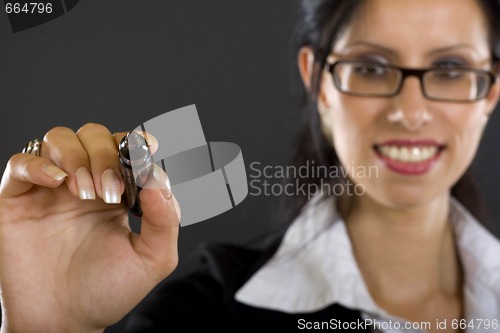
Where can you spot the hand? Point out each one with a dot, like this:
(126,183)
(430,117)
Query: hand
(73,265)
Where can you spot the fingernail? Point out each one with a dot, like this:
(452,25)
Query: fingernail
(85,184)
(177,208)
(161,181)
(110,187)
(167,192)
(54,172)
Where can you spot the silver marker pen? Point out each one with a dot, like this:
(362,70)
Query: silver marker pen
(136,164)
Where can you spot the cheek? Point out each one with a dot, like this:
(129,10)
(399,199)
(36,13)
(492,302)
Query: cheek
(354,122)
(466,125)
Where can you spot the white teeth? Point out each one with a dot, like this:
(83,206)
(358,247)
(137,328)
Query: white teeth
(409,155)
(404,154)
(393,152)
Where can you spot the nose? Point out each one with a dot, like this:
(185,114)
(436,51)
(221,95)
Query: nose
(410,105)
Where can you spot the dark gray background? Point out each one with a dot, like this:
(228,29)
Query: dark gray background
(123,62)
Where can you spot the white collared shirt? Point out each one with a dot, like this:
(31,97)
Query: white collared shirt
(315,267)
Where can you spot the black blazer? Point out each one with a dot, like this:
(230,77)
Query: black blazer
(204,299)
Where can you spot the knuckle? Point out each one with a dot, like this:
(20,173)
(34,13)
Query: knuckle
(12,163)
(57,132)
(119,135)
(93,128)
(14,160)
(105,155)
(17,165)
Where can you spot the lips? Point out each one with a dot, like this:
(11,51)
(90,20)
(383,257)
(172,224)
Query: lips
(409,157)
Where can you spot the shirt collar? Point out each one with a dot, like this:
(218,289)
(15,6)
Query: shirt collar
(315,267)
(479,252)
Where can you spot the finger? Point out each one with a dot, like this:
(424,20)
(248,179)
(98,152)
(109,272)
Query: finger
(25,170)
(150,139)
(118,136)
(157,243)
(62,146)
(103,158)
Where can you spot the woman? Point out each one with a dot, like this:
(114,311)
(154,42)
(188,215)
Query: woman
(405,86)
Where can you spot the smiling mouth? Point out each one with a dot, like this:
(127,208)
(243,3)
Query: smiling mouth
(409,157)
(413,154)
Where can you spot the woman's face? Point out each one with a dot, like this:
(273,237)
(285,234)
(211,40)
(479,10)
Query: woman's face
(416,34)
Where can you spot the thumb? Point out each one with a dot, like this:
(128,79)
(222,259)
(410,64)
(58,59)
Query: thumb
(157,242)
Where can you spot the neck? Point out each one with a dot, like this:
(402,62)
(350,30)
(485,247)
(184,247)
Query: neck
(404,255)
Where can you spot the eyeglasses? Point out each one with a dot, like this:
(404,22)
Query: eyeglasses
(449,84)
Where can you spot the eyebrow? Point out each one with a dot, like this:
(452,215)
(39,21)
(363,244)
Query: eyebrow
(373,45)
(450,48)
(394,52)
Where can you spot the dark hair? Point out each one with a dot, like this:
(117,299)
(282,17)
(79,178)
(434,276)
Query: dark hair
(319,24)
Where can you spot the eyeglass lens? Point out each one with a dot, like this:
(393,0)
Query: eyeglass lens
(454,84)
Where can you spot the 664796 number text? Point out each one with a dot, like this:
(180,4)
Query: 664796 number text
(28,8)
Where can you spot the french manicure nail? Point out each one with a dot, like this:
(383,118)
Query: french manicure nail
(54,172)
(110,187)
(177,208)
(85,184)
(161,181)
(167,192)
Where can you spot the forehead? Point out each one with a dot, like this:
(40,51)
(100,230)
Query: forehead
(416,24)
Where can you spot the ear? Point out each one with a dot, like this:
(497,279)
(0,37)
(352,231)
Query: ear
(306,66)
(306,62)
(493,96)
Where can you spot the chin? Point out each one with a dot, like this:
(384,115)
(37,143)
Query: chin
(405,196)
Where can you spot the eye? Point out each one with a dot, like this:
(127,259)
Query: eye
(449,63)
(370,69)
(449,74)
(449,69)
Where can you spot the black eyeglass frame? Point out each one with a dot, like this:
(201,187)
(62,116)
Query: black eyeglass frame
(407,72)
